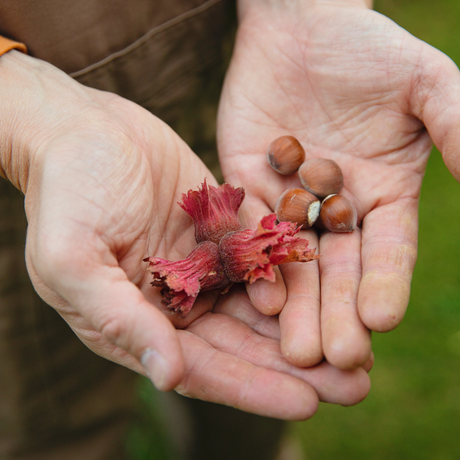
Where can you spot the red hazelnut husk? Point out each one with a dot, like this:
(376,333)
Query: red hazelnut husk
(214,210)
(249,255)
(181,281)
(285,155)
(225,253)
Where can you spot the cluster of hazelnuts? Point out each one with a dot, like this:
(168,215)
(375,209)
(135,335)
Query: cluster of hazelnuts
(319,202)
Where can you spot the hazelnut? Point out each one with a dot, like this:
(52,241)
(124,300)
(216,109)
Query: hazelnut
(338,214)
(298,206)
(321,176)
(285,155)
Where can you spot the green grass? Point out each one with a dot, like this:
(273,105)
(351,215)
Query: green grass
(413,409)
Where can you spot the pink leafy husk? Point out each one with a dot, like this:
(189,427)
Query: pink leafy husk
(225,253)
(214,210)
(249,255)
(181,281)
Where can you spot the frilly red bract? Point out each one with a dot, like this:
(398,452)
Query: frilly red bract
(250,255)
(225,253)
(181,281)
(214,210)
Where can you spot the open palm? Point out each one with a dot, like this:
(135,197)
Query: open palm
(352,86)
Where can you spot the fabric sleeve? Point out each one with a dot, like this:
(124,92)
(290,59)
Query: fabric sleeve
(6,45)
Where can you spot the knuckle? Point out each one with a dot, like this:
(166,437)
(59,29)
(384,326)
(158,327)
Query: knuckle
(115,330)
(52,257)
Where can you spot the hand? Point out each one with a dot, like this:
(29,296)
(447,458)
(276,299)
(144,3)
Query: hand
(352,86)
(249,372)
(102,178)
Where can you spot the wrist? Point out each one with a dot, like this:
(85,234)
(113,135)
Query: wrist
(38,102)
(15,96)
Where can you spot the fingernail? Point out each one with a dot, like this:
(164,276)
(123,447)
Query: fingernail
(156,367)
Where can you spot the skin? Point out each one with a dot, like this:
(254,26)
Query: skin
(352,86)
(101,178)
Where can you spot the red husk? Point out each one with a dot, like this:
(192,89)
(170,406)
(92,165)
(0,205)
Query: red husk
(181,281)
(225,253)
(249,255)
(214,210)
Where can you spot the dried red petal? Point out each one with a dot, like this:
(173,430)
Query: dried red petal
(249,255)
(214,210)
(181,281)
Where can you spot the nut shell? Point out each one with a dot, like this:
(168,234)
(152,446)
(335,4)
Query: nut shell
(285,155)
(338,214)
(298,206)
(321,176)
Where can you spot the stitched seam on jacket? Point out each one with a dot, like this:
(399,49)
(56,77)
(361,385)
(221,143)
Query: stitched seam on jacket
(181,79)
(166,25)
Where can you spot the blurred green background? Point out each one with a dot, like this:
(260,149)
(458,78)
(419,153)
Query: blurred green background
(413,410)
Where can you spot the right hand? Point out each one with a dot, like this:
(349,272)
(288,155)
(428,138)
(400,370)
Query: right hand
(352,86)
(101,178)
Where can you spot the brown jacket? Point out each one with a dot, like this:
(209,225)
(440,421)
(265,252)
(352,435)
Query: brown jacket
(153,52)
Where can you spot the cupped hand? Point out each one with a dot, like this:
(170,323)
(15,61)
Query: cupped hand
(352,86)
(102,178)
(237,350)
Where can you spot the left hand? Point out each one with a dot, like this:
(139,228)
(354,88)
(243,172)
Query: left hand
(352,86)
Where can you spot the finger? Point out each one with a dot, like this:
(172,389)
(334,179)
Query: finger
(240,307)
(268,297)
(233,337)
(237,304)
(369,364)
(346,340)
(300,318)
(218,377)
(389,252)
(436,101)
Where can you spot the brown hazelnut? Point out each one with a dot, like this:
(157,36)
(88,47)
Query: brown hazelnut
(298,206)
(285,154)
(321,176)
(338,214)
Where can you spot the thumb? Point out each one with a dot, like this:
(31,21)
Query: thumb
(451,149)
(438,104)
(119,311)
(109,304)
